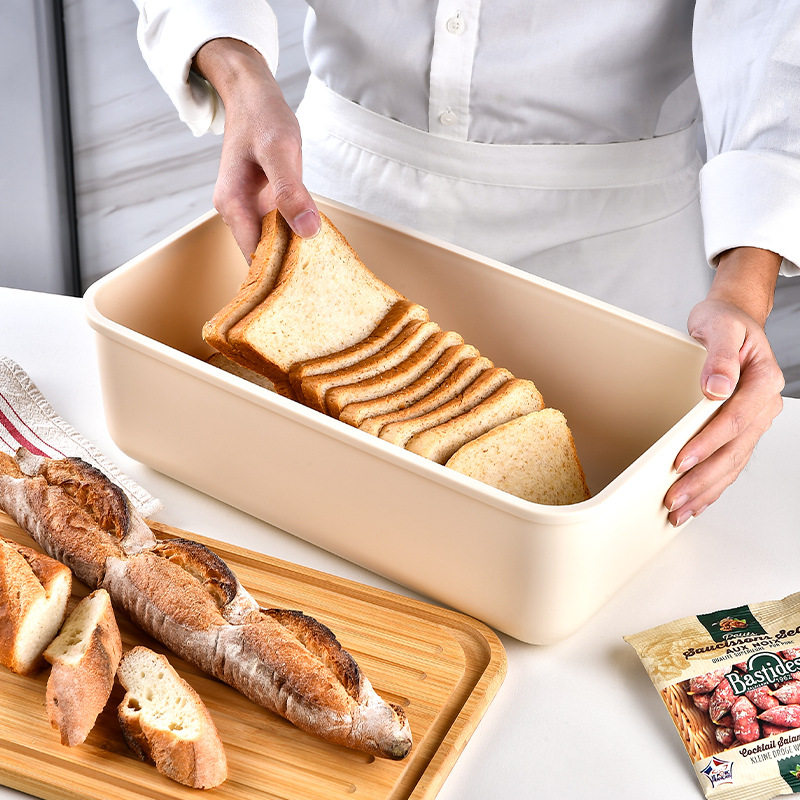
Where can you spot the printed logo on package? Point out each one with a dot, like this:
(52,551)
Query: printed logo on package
(763,670)
(731,623)
(718,771)
(790,772)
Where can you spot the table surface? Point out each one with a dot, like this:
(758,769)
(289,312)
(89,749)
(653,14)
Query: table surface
(578,719)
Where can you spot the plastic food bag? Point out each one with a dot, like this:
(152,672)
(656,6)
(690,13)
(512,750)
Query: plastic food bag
(731,682)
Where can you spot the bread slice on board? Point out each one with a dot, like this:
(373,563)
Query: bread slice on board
(453,385)
(400,314)
(482,387)
(513,399)
(356,413)
(34,590)
(85,656)
(324,300)
(405,344)
(163,719)
(395,378)
(532,457)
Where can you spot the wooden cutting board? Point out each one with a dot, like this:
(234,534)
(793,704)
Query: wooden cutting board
(444,669)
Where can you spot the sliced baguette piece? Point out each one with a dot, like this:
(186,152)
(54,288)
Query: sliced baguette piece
(85,656)
(325,300)
(405,344)
(395,378)
(482,387)
(356,413)
(34,590)
(400,314)
(513,399)
(224,363)
(452,386)
(532,457)
(164,720)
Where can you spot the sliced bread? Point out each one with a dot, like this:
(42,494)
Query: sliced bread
(356,413)
(400,314)
(224,363)
(85,656)
(452,386)
(407,342)
(260,281)
(325,300)
(34,590)
(163,719)
(532,457)
(482,387)
(395,378)
(512,400)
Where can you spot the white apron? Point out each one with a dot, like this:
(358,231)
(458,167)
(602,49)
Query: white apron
(619,222)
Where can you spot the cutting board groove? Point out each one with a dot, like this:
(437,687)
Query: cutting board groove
(444,669)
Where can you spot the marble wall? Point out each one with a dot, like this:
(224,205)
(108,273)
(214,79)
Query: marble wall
(141,174)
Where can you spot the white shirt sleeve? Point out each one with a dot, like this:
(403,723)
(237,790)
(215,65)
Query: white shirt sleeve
(170,32)
(747,64)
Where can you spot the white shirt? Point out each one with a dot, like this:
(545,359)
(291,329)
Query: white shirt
(546,71)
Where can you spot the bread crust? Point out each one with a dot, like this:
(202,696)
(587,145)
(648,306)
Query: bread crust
(197,761)
(185,596)
(78,689)
(34,590)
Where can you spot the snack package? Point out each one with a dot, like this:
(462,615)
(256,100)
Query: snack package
(731,681)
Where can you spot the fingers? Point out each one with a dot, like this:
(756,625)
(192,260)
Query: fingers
(701,485)
(261,169)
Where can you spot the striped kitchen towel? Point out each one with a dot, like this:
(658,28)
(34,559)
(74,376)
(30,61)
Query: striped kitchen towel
(28,420)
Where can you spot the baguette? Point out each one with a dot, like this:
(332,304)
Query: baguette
(184,595)
(85,656)
(164,720)
(532,457)
(34,590)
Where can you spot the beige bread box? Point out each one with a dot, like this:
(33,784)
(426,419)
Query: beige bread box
(628,387)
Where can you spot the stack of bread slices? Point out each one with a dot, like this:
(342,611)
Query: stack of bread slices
(312,322)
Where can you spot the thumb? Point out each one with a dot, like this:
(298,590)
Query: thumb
(722,366)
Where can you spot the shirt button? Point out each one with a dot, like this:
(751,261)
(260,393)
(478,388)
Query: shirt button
(448,117)
(456,24)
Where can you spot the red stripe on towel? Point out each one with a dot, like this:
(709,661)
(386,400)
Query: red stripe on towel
(18,437)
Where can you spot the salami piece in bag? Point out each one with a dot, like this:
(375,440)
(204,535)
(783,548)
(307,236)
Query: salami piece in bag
(731,682)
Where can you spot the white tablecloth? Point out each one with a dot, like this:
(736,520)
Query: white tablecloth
(579,719)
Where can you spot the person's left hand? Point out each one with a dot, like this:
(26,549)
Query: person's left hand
(741,367)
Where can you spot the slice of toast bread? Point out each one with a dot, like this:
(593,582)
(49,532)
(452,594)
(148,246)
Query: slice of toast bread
(407,342)
(532,457)
(512,400)
(260,281)
(325,300)
(482,387)
(453,385)
(395,378)
(356,413)
(224,363)
(400,314)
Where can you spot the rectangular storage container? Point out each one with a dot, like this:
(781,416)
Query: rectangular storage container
(629,389)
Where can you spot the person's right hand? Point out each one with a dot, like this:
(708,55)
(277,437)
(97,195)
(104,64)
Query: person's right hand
(261,163)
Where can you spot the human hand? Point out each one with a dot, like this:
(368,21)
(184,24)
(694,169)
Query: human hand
(261,164)
(740,369)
